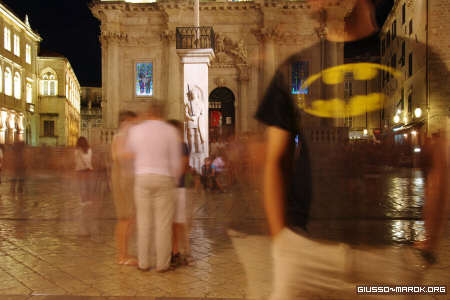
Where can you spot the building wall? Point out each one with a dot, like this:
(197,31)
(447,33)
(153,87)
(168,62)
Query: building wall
(428,84)
(134,33)
(91,111)
(60,105)
(17,119)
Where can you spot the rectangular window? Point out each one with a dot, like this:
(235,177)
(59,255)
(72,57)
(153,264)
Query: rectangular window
(402,99)
(28,54)
(410,64)
(410,26)
(394,29)
(394,61)
(410,103)
(388,39)
(29,93)
(49,128)
(16,45)
(7,39)
(403,13)
(299,74)
(403,53)
(348,89)
(144,79)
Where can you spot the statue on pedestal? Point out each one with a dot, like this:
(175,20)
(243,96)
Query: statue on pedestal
(194,115)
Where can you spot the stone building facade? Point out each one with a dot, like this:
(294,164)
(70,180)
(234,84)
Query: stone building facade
(19,46)
(59,101)
(252,38)
(250,44)
(414,39)
(91,112)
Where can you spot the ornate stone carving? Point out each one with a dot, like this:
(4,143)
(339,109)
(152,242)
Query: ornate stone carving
(269,33)
(113,37)
(243,72)
(220,81)
(228,52)
(168,35)
(194,115)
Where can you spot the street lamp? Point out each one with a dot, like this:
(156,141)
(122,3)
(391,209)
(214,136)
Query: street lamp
(418,112)
(396,119)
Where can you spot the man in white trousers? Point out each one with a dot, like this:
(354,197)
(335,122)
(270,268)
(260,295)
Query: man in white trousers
(155,147)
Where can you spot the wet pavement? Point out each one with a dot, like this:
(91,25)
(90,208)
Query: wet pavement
(42,255)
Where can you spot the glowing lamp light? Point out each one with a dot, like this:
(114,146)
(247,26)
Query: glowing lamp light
(418,112)
(417,150)
(396,119)
(399,111)
(365,132)
(413,132)
(405,135)
(405,119)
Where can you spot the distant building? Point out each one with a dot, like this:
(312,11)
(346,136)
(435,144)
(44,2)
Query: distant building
(59,101)
(91,111)
(19,45)
(418,104)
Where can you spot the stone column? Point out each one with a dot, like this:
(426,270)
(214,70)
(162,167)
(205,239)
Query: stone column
(243,97)
(111,42)
(173,78)
(269,36)
(195,79)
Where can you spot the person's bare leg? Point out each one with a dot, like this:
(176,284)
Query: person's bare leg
(176,238)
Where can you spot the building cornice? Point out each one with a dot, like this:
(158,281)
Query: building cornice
(13,18)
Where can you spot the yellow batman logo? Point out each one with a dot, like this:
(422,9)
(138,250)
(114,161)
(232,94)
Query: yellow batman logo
(357,105)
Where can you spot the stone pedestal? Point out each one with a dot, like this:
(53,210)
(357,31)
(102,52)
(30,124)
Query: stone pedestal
(195,97)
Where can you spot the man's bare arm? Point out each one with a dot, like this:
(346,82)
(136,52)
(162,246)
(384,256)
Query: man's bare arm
(274,196)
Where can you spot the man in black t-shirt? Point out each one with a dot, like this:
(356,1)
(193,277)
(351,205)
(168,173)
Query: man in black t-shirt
(306,180)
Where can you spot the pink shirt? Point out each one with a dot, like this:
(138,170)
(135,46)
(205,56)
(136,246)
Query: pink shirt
(156,148)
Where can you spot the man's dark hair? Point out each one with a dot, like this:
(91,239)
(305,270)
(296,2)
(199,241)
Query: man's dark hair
(126,114)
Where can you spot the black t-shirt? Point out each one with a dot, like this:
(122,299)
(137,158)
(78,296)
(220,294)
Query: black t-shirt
(338,188)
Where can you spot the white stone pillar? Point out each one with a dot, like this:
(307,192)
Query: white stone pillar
(195,78)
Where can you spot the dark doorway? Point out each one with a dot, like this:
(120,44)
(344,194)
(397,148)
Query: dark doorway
(221,115)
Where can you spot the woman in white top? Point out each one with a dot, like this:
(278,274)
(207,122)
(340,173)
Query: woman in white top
(84,171)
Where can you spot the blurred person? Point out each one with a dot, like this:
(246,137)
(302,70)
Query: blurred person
(182,211)
(122,183)
(18,167)
(218,166)
(309,263)
(155,147)
(207,174)
(86,185)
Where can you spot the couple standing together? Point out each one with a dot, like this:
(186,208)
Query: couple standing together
(149,153)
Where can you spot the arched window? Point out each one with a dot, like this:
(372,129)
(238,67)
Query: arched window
(8,82)
(17,86)
(49,84)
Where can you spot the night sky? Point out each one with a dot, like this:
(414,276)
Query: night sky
(68,27)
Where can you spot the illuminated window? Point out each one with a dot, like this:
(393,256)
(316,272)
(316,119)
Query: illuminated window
(7,37)
(29,93)
(8,82)
(49,84)
(299,74)
(28,54)
(16,45)
(17,86)
(144,79)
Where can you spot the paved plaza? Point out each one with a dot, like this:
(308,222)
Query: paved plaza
(43,257)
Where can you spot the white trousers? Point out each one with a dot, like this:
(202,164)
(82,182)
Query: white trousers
(155,208)
(308,269)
